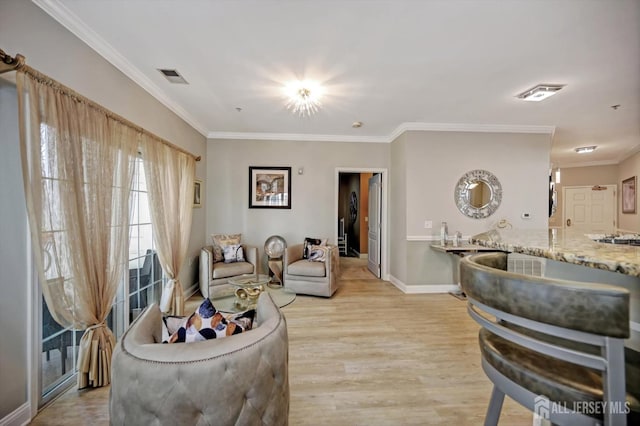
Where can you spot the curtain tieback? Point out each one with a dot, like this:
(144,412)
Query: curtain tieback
(93,327)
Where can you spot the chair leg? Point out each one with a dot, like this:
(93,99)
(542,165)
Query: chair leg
(495,406)
(63,357)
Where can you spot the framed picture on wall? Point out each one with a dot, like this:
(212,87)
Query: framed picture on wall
(269,187)
(197,193)
(629,195)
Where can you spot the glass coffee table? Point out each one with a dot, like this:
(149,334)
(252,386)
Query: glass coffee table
(244,291)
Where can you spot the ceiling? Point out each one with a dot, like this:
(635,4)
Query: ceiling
(394,65)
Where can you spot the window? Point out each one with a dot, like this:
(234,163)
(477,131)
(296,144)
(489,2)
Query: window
(59,344)
(144,270)
(141,285)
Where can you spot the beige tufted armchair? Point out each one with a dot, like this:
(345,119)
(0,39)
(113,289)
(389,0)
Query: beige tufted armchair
(236,380)
(214,276)
(311,278)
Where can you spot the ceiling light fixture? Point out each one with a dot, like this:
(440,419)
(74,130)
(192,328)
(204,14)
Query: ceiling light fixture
(585,149)
(304,97)
(540,92)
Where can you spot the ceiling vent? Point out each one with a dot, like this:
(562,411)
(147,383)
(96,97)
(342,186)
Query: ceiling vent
(173,76)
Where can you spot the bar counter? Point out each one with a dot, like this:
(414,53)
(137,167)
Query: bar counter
(618,264)
(565,246)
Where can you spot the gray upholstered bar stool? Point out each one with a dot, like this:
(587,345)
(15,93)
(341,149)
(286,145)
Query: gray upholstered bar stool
(554,346)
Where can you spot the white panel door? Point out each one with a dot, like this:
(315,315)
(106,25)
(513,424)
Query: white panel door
(375,207)
(589,209)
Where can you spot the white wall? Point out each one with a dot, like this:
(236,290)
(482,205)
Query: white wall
(51,49)
(313,194)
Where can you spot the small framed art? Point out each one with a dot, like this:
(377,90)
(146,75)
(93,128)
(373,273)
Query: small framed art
(197,193)
(629,195)
(269,187)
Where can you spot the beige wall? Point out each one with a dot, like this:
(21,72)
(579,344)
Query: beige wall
(434,161)
(13,260)
(398,209)
(313,194)
(628,168)
(51,49)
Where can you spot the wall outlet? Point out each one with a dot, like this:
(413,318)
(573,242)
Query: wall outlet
(428,224)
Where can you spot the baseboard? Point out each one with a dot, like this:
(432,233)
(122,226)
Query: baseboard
(422,288)
(191,290)
(431,288)
(360,255)
(19,417)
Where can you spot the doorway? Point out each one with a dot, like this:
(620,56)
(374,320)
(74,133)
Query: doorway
(353,216)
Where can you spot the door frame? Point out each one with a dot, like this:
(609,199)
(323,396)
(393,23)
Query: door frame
(384,273)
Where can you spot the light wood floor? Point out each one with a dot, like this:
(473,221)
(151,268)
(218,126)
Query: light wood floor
(370,355)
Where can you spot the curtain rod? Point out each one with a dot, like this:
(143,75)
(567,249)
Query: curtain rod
(8,63)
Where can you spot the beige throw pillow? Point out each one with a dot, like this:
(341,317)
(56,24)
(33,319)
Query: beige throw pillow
(318,253)
(220,241)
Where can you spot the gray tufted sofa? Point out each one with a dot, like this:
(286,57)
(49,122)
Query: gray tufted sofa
(237,380)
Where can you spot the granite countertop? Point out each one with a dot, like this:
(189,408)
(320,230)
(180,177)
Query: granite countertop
(450,248)
(566,246)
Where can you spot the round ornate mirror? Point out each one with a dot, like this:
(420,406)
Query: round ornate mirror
(478,194)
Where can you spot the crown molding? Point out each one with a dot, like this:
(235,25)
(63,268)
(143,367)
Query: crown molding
(629,153)
(71,22)
(296,137)
(588,164)
(402,128)
(633,151)
(463,127)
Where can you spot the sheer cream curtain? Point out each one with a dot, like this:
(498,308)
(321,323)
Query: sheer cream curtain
(78,164)
(170,176)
